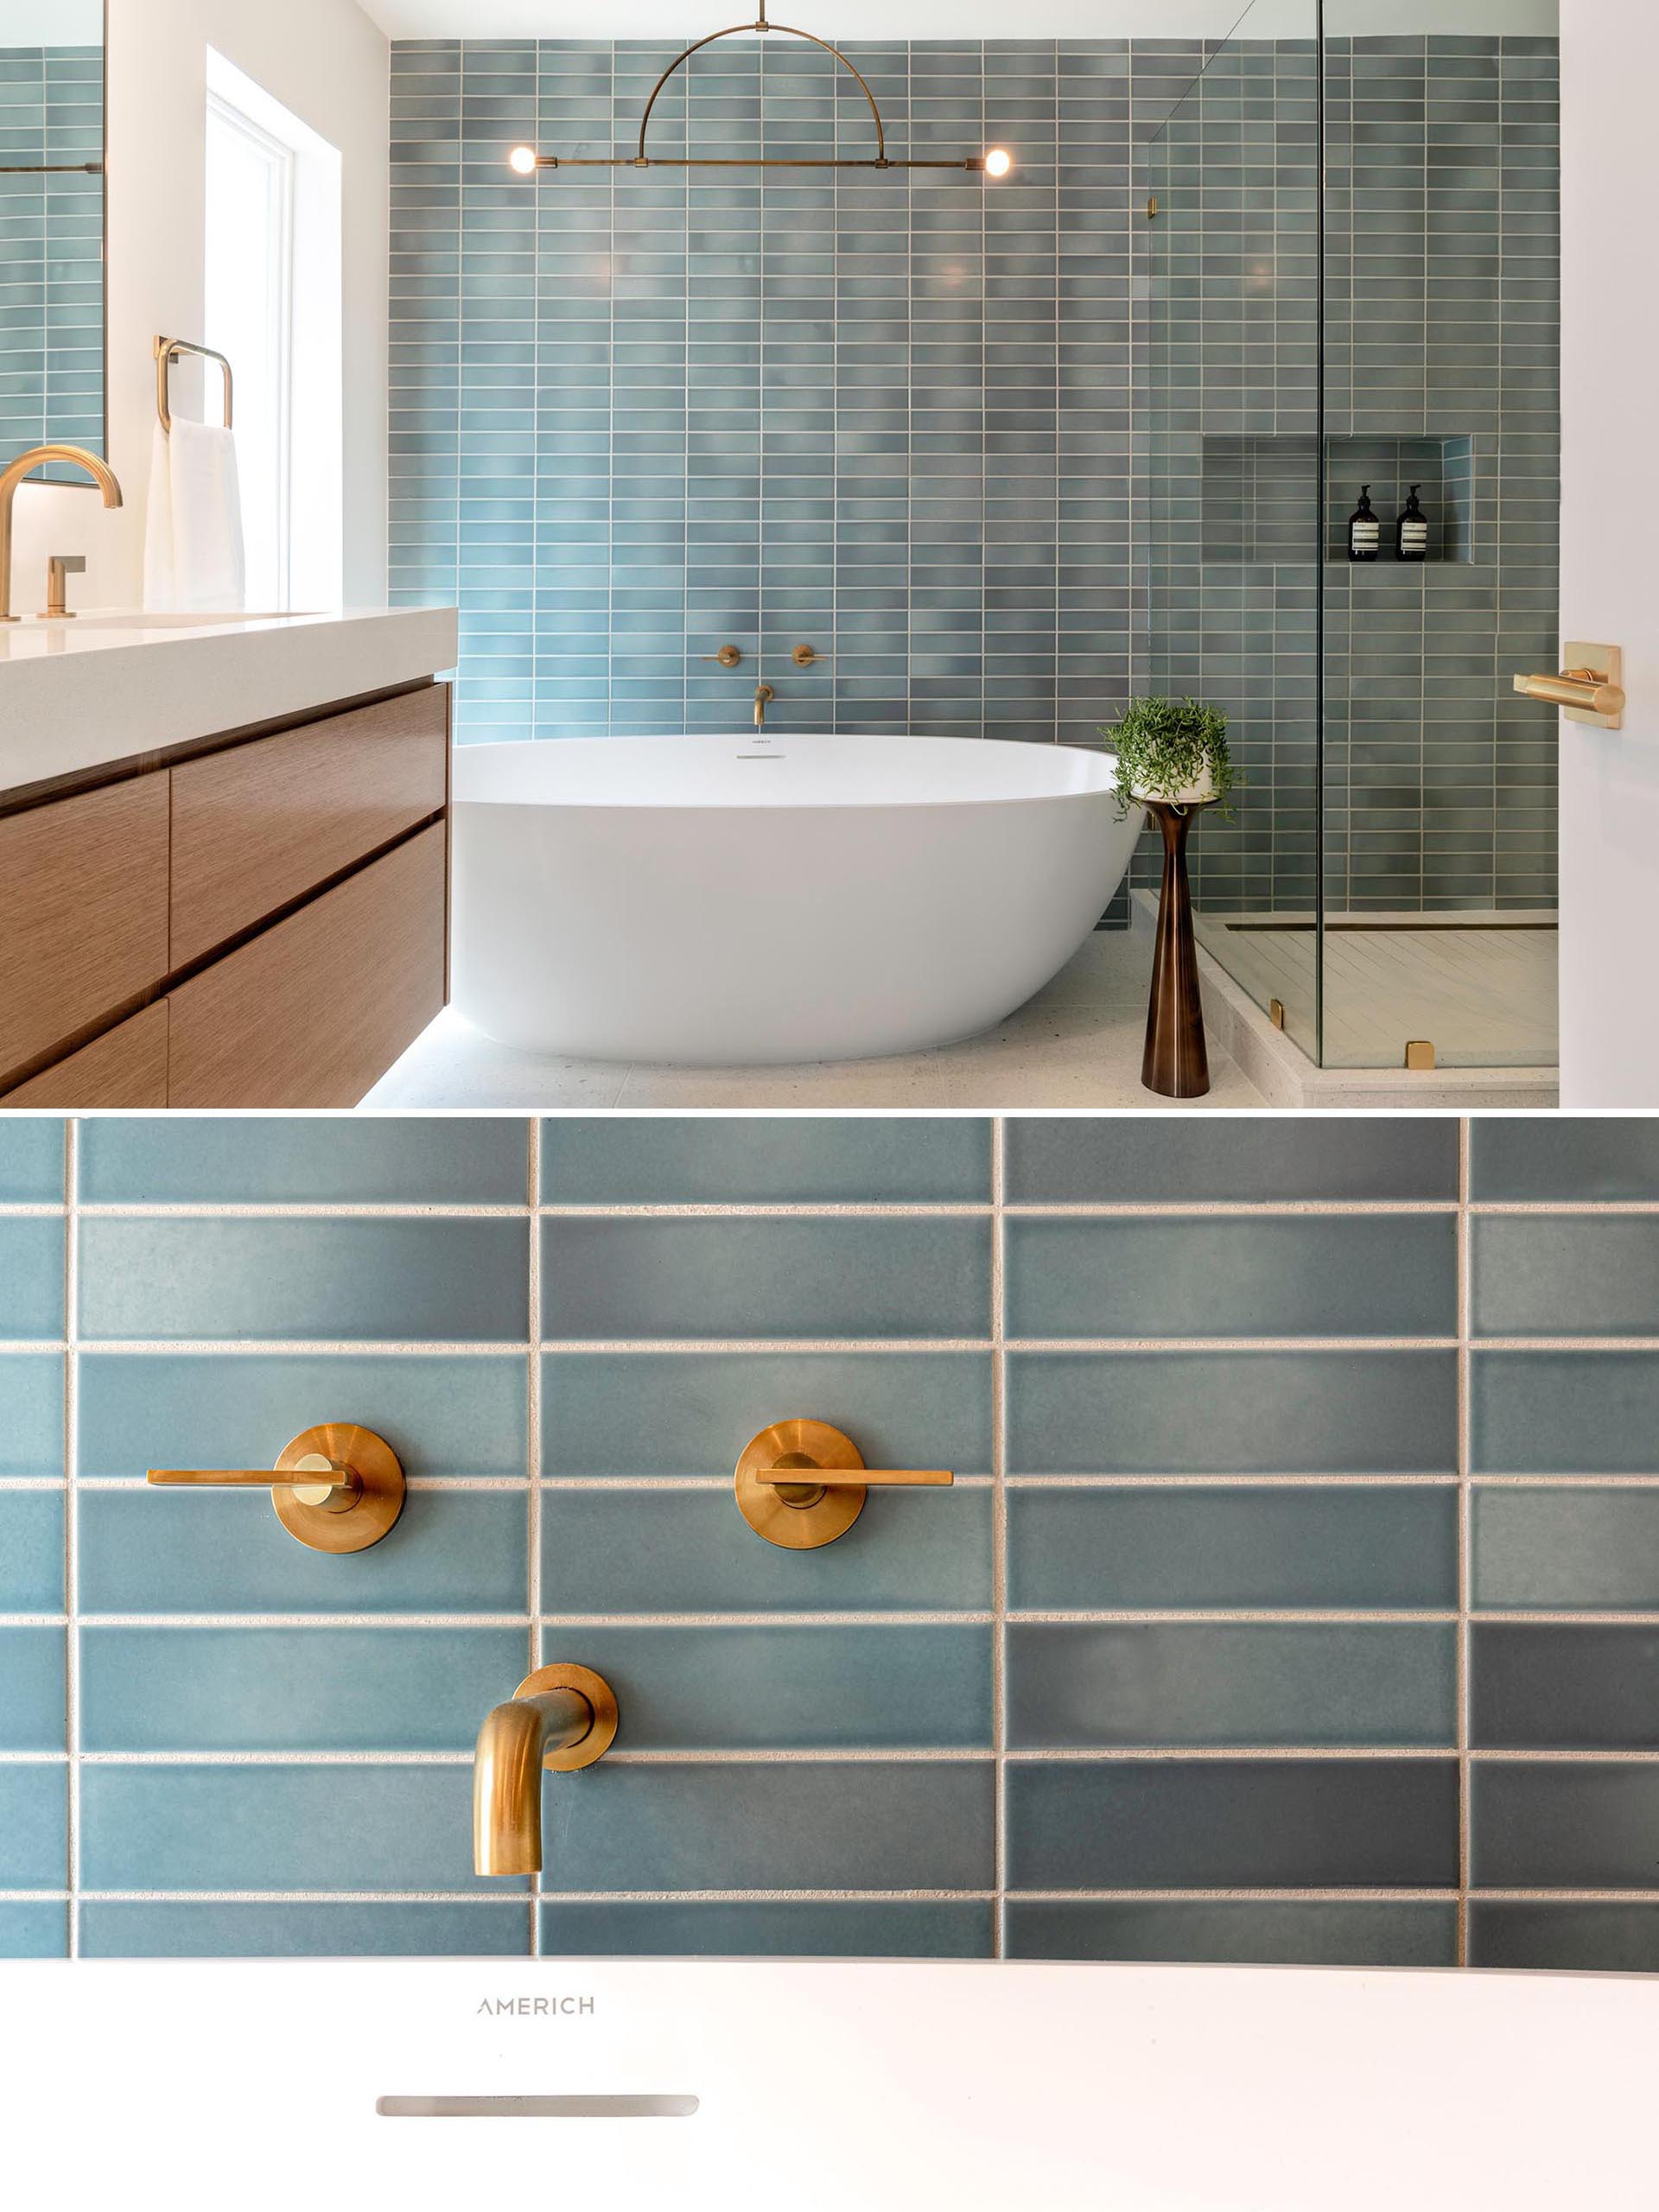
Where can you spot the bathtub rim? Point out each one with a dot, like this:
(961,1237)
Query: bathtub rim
(1105,789)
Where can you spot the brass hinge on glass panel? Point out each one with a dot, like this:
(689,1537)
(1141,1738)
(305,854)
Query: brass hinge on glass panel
(1419,1054)
(1152,208)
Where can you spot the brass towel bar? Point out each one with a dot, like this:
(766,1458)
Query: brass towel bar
(167,351)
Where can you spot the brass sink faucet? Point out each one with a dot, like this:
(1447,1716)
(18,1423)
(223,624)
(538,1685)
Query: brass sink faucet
(25,465)
(560,1717)
(763,698)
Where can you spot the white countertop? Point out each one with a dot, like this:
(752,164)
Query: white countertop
(99,689)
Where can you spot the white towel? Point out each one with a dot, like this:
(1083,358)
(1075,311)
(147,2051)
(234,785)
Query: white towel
(194,559)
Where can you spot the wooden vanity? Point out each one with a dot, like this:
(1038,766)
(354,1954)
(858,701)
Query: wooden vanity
(255,918)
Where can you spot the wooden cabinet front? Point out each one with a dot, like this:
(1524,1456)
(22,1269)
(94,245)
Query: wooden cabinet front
(313,1012)
(256,827)
(82,915)
(126,1066)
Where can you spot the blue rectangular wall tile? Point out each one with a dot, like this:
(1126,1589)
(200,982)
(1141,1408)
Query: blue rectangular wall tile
(31,1930)
(333,1827)
(1289,1823)
(775,1159)
(1579,1159)
(865,1687)
(1546,1938)
(877,1825)
(630,1551)
(1254,1932)
(31,1160)
(32,1671)
(31,1413)
(1565,1686)
(1257,1159)
(876,1276)
(31,1276)
(293,1689)
(155,1278)
(863,1927)
(1579,1825)
(252,1159)
(147,1551)
(442,1415)
(1547,1412)
(1316,1413)
(1300,1545)
(1566,1276)
(630,1413)
(31,1551)
(1577,1548)
(1366,1277)
(1217,1684)
(201,1928)
(34,1826)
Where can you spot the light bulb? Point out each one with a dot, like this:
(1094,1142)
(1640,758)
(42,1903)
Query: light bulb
(522,161)
(998,161)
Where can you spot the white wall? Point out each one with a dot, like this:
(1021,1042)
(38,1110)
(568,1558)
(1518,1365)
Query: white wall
(329,64)
(1610,563)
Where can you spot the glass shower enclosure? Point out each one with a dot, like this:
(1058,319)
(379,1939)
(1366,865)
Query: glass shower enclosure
(1353,278)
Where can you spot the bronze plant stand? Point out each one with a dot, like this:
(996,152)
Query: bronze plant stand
(1175,1065)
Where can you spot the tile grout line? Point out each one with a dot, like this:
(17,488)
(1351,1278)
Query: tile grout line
(998,1543)
(72,1515)
(533,1458)
(1465,1773)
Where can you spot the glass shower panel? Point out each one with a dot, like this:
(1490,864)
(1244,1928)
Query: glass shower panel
(1441,329)
(1233,483)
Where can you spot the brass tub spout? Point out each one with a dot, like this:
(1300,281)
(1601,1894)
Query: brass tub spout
(560,1718)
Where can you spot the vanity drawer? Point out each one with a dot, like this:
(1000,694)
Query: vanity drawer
(258,826)
(127,1066)
(83,913)
(314,1011)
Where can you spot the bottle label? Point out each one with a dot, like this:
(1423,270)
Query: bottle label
(1413,533)
(1367,533)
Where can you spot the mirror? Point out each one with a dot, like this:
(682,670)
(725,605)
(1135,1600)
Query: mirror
(52,240)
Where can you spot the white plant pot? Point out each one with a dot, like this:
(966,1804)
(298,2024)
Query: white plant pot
(1195,794)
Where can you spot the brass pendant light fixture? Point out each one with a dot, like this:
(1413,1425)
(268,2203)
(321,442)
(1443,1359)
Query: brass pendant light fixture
(525,162)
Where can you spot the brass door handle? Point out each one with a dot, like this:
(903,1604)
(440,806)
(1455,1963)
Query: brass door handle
(801,1484)
(1589,688)
(337,1488)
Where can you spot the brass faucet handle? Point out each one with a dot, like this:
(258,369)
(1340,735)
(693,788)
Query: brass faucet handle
(801,1484)
(337,1488)
(728,657)
(59,569)
(792,1471)
(809,656)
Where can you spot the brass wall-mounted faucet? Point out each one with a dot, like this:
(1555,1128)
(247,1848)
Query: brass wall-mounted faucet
(25,465)
(338,1488)
(801,1484)
(558,1719)
(763,698)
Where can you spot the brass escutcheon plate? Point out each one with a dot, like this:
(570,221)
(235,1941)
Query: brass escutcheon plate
(376,1466)
(598,1693)
(798,1528)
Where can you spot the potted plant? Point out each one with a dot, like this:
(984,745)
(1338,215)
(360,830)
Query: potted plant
(1172,751)
(1172,758)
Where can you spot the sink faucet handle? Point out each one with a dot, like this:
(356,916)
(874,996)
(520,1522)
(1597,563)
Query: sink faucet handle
(728,656)
(59,569)
(336,1488)
(801,1484)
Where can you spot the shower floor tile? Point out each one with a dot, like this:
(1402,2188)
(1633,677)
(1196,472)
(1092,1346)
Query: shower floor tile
(1077,1043)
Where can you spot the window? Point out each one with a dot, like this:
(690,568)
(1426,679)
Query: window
(272,287)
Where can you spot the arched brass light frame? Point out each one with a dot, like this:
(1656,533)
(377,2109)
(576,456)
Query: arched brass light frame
(525,161)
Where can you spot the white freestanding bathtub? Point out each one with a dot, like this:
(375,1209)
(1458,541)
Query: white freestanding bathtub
(742,901)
